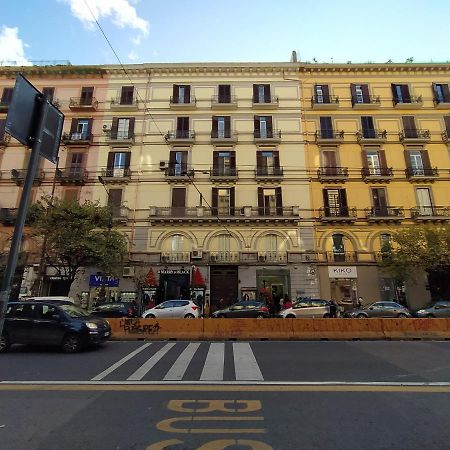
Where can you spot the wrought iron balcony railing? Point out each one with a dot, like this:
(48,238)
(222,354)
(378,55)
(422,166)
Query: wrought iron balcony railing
(413,100)
(377,172)
(181,101)
(224,100)
(116,172)
(269,172)
(223,172)
(180,135)
(419,212)
(423,172)
(360,100)
(383,212)
(337,212)
(77,138)
(324,100)
(414,135)
(267,134)
(371,134)
(332,172)
(72,175)
(83,103)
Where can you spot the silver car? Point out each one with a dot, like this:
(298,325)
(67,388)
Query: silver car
(307,308)
(379,309)
(438,309)
(173,309)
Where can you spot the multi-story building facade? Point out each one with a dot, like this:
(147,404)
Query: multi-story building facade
(270,178)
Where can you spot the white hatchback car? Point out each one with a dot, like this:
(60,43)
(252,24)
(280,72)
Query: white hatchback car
(307,308)
(173,309)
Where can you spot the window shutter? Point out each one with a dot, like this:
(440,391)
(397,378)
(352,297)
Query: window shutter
(255,93)
(405,94)
(267,98)
(131,127)
(276,159)
(259,162)
(279,201)
(126,97)
(343,198)
(114,126)
(446,92)
(409,123)
(187,94)
(127,160)
(233,162)
(86,95)
(326,93)
(232,200)
(256,122)
(214,200)
(49,93)
(261,201)
(394,93)
(184,158)
(326,202)
(447,123)
(215,127)
(115,197)
(227,126)
(215,163)
(89,126)
(425,159)
(365,164)
(353,92)
(175,93)
(407,159)
(73,126)
(7,95)
(382,155)
(365,91)
(269,125)
(110,164)
(178,197)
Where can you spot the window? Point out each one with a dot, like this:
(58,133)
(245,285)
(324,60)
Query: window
(272,243)
(270,202)
(178,201)
(127,95)
(181,94)
(115,198)
(261,93)
(329,161)
(75,164)
(263,127)
(71,194)
(7,96)
(338,247)
(48,93)
(268,162)
(326,128)
(441,93)
(81,129)
(182,127)
(400,93)
(368,128)
(223,201)
(86,96)
(379,202)
(335,201)
(373,162)
(224,163)
(118,164)
(224,93)
(409,127)
(224,243)
(416,162)
(122,128)
(385,243)
(221,127)
(447,125)
(424,202)
(321,93)
(178,163)
(360,93)
(177,243)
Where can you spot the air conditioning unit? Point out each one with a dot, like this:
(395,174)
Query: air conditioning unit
(162,165)
(213,258)
(196,254)
(262,258)
(164,258)
(128,271)
(106,128)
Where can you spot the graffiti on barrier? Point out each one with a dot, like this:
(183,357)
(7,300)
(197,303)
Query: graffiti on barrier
(135,326)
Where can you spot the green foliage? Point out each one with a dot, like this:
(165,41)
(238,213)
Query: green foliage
(418,248)
(78,236)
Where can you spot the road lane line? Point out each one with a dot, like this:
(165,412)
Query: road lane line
(119,363)
(177,371)
(245,364)
(213,368)
(147,366)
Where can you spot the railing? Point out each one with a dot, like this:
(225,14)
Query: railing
(414,99)
(272,257)
(265,100)
(275,171)
(368,172)
(336,211)
(76,138)
(18,175)
(385,211)
(438,101)
(8,215)
(268,134)
(175,257)
(181,100)
(180,134)
(414,134)
(421,172)
(324,100)
(324,172)
(81,102)
(371,133)
(329,134)
(120,135)
(177,171)
(119,102)
(445,136)
(72,175)
(366,100)
(223,172)
(224,100)
(116,172)
(224,257)
(430,211)
(120,213)
(226,135)
(341,256)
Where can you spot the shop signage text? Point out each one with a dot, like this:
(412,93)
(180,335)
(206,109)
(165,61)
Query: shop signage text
(342,272)
(179,271)
(100,280)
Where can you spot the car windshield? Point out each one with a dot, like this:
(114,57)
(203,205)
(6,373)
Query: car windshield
(74,311)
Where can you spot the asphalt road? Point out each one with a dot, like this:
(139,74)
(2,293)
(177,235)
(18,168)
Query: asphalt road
(229,395)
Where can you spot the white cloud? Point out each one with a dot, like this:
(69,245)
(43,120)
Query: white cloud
(122,13)
(12,49)
(133,56)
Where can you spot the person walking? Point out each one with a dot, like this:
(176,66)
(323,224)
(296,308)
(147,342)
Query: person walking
(333,309)
(287,303)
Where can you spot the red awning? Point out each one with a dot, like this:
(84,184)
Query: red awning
(197,278)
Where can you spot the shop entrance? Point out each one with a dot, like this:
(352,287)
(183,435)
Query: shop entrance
(344,291)
(273,285)
(224,285)
(173,286)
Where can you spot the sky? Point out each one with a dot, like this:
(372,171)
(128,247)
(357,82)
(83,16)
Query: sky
(164,31)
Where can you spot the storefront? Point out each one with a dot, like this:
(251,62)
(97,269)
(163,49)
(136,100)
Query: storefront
(343,284)
(173,284)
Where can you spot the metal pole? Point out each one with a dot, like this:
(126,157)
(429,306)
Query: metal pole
(22,213)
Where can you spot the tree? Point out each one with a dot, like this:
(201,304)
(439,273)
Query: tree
(424,248)
(78,235)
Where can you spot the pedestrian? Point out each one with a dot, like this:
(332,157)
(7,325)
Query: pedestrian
(360,302)
(333,309)
(287,303)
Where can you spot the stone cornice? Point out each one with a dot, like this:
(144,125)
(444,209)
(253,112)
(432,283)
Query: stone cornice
(51,71)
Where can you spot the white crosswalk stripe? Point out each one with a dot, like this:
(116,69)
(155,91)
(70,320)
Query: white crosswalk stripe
(180,366)
(245,364)
(214,364)
(145,368)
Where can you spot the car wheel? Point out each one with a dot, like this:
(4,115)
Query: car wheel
(402,316)
(361,316)
(71,343)
(4,343)
(150,316)
(429,316)
(290,316)
(189,316)
(326,315)
(220,316)
(260,316)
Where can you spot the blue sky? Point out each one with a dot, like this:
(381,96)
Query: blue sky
(233,30)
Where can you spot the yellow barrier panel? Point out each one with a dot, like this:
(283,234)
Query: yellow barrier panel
(416,328)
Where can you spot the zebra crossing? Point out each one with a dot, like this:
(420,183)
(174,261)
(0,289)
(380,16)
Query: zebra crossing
(194,361)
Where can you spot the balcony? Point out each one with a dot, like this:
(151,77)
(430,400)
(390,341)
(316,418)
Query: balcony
(269,173)
(77,176)
(120,214)
(227,137)
(117,104)
(117,175)
(381,174)
(180,137)
(267,102)
(176,173)
(338,257)
(337,214)
(384,214)
(83,104)
(223,174)
(330,137)
(238,214)
(371,102)
(431,213)
(181,104)
(445,136)
(18,176)
(267,137)
(336,174)
(77,139)
(8,216)
(323,102)
(422,174)
(120,138)
(414,136)
(176,257)
(441,103)
(224,102)
(272,257)
(371,136)
(5,138)
(224,257)
(414,102)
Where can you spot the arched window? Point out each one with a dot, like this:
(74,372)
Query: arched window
(338,247)
(177,243)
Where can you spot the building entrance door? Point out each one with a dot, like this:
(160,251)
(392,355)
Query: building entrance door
(224,285)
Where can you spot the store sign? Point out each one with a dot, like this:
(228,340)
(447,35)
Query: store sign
(174,271)
(342,272)
(100,280)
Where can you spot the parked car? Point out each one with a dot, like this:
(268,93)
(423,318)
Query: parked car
(379,309)
(245,309)
(438,309)
(115,309)
(307,308)
(49,298)
(173,309)
(47,323)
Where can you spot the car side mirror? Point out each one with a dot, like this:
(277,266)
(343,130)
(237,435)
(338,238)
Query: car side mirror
(56,317)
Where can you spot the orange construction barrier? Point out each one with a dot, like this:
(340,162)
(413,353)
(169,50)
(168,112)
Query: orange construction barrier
(416,328)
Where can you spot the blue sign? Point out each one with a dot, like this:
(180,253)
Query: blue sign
(100,280)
